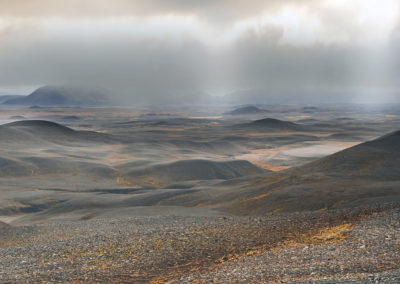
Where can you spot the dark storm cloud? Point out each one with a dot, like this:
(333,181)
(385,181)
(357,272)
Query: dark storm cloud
(140,69)
(87,43)
(272,70)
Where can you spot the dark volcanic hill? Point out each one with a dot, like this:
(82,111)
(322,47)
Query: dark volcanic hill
(271,124)
(40,127)
(34,131)
(61,96)
(376,159)
(186,170)
(368,173)
(36,147)
(246,110)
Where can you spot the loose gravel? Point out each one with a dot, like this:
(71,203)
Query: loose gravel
(331,246)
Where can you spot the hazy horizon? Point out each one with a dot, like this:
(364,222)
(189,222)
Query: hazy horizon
(172,52)
(188,141)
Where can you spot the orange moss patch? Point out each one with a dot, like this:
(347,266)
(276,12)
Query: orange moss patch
(156,281)
(122,181)
(333,234)
(201,204)
(271,167)
(277,210)
(329,235)
(258,196)
(265,194)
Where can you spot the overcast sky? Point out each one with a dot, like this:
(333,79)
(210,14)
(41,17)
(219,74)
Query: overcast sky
(170,51)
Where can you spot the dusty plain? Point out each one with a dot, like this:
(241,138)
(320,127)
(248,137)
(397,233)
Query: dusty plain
(116,194)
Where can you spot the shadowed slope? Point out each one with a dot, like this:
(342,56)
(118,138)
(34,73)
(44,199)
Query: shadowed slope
(274,123)
(271,124)
(40,126)
(376,159)
(36,148)
(29,130)
(364,174)
(191,170)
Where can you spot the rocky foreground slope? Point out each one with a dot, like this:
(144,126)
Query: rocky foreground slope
(331,246)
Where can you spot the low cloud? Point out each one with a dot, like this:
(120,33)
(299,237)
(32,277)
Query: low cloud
(180,60)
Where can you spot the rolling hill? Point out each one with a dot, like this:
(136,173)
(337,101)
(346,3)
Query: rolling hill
(186,170)
(26,131)
(39,147)
(378,159)
(271,124)
(368,173)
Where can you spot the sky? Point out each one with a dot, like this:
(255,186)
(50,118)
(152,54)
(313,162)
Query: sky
(188,51)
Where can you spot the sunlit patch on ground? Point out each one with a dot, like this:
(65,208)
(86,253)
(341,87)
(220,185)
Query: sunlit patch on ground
(276,159)
(319,150)
(9,219)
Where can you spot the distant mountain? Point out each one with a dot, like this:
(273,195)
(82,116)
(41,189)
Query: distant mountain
(61,96)
(246,111)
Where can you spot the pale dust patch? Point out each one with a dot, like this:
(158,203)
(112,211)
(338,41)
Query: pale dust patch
(10,219)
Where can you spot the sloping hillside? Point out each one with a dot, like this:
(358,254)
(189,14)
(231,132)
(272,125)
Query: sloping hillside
(368,173)
(26,131)
(271,124)
(164,174)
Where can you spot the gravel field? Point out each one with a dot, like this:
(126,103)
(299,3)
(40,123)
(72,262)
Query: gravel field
(331,246)
(371,253)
